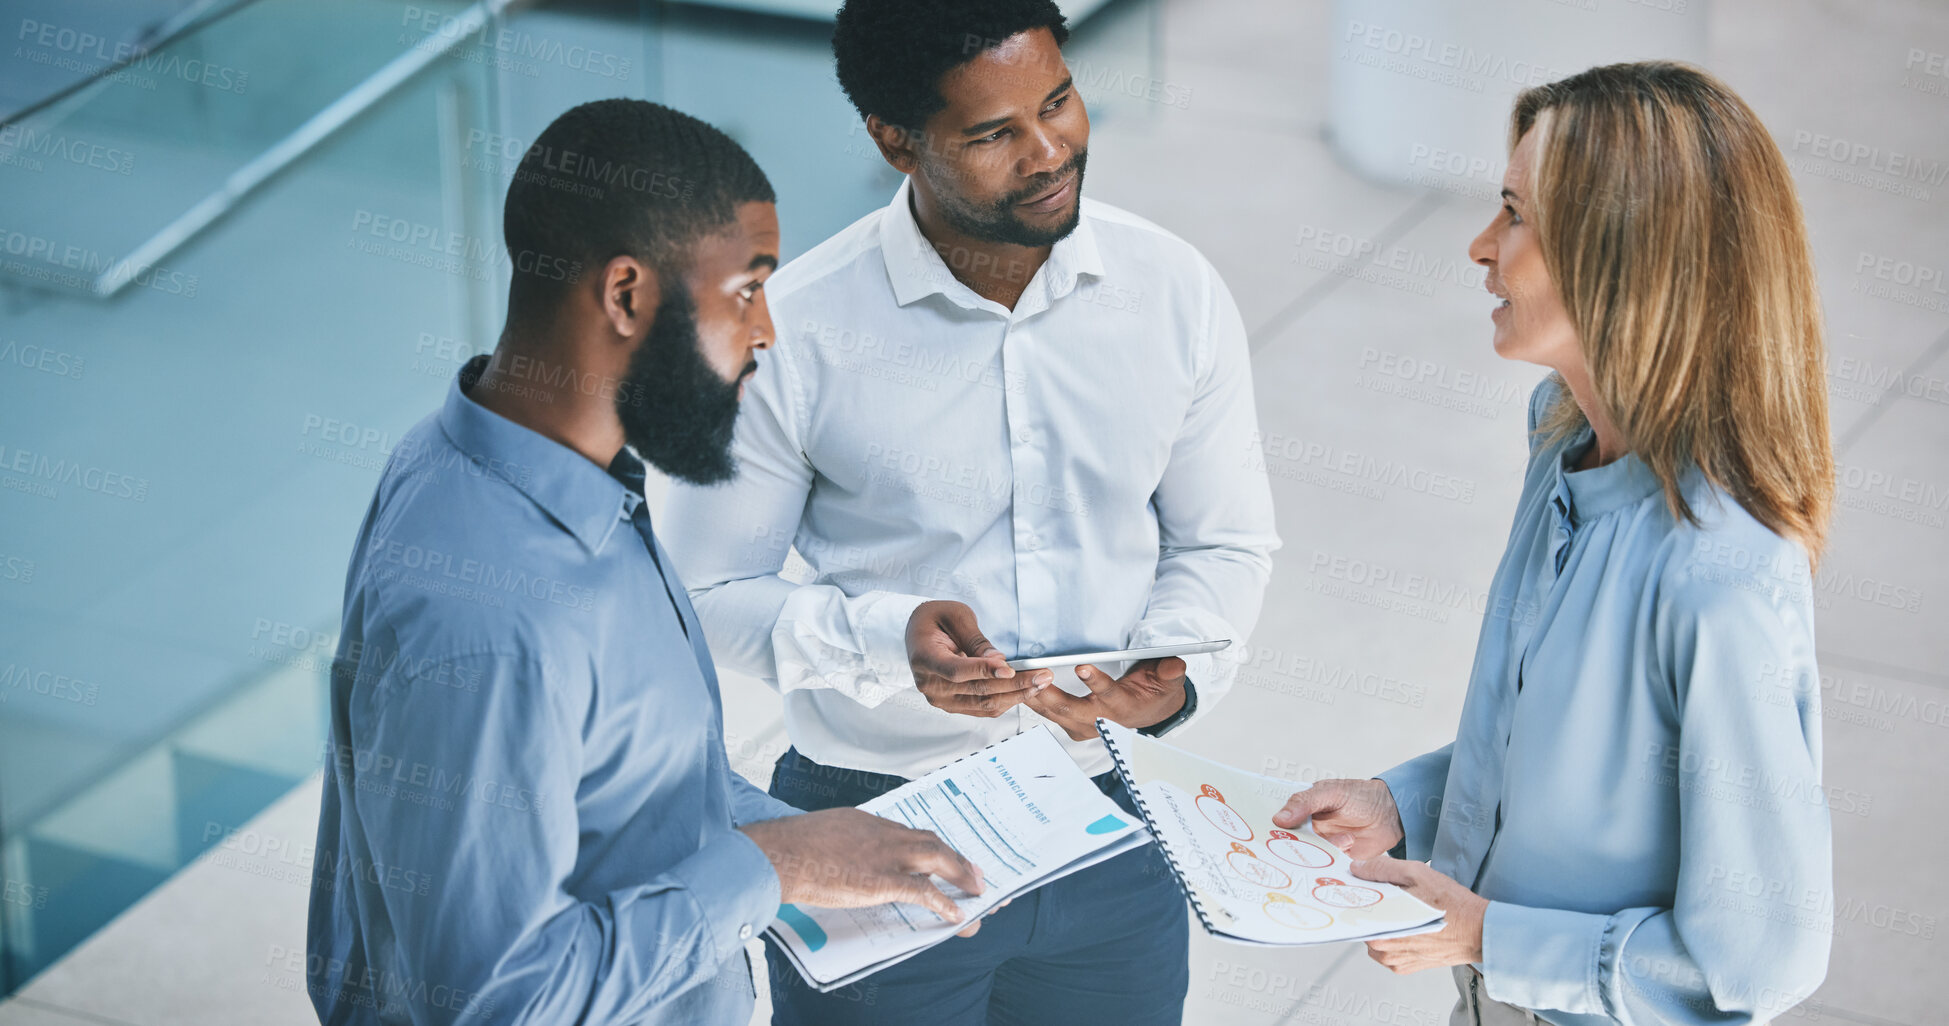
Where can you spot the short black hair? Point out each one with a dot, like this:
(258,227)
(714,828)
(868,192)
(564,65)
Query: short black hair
(623,177)
(891,54)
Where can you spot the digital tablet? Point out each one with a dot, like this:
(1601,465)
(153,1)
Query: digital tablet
(1128,655)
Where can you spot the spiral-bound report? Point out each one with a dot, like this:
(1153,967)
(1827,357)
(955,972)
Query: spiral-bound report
(1020,809)
(1247,880)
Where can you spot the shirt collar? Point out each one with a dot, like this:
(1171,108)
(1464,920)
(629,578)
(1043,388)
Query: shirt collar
(917,271)
(578,495)
(1599,490)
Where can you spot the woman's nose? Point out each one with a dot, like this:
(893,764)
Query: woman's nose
(1482,249)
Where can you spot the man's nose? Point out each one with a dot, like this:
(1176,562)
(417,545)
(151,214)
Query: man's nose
(763,333)
(1048,154)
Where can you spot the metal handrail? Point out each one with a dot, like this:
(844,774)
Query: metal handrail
(181,26)
(288,150)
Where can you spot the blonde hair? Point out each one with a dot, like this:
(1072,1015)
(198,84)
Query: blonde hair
(1668,220)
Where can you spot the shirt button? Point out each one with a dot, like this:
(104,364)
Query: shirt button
(1035,649)
(1022,435)
(744,932)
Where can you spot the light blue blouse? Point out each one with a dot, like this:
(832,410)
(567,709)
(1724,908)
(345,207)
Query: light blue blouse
(1635,783)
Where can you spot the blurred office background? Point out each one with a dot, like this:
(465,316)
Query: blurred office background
(245,245)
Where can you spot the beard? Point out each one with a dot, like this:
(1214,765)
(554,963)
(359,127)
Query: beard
(998,221)
(678,413)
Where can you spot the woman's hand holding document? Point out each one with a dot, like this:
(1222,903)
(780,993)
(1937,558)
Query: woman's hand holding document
(1249,880)
(1020,810)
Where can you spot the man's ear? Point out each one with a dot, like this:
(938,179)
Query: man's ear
(630,294)
(900,146)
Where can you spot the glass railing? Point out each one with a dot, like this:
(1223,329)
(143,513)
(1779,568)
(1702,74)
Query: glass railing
(178,478)
(185,456)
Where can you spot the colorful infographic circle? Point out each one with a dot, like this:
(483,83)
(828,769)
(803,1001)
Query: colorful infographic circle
(1298,851)
(1220,815)
(1246,863)
(1342,894)
(1289,913)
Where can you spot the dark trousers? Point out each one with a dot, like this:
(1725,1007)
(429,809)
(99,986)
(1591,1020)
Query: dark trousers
(1107,944)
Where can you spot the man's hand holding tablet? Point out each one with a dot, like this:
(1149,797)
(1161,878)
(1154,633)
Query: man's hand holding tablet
(1152,691)
(959,670)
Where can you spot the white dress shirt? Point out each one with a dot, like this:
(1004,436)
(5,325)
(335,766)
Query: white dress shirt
(1081,471)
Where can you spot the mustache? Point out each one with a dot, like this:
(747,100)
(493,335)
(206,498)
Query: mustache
(1046,182)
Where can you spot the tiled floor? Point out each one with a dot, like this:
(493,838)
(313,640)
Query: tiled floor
(1244,172)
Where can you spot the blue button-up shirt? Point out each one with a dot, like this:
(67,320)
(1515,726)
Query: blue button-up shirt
(528,813)
(1635,784)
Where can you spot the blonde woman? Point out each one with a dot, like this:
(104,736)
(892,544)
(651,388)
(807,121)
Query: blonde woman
(1629,826)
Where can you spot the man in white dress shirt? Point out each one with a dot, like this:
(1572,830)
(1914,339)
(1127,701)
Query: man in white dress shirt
(999,421)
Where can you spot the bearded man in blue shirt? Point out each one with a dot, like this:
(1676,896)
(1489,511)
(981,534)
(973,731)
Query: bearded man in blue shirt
(529,815)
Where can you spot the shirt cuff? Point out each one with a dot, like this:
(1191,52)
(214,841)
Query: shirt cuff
(1542,958)
(883,629)
(857,647)
(1212,672)
(735,888)
(1417,786)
